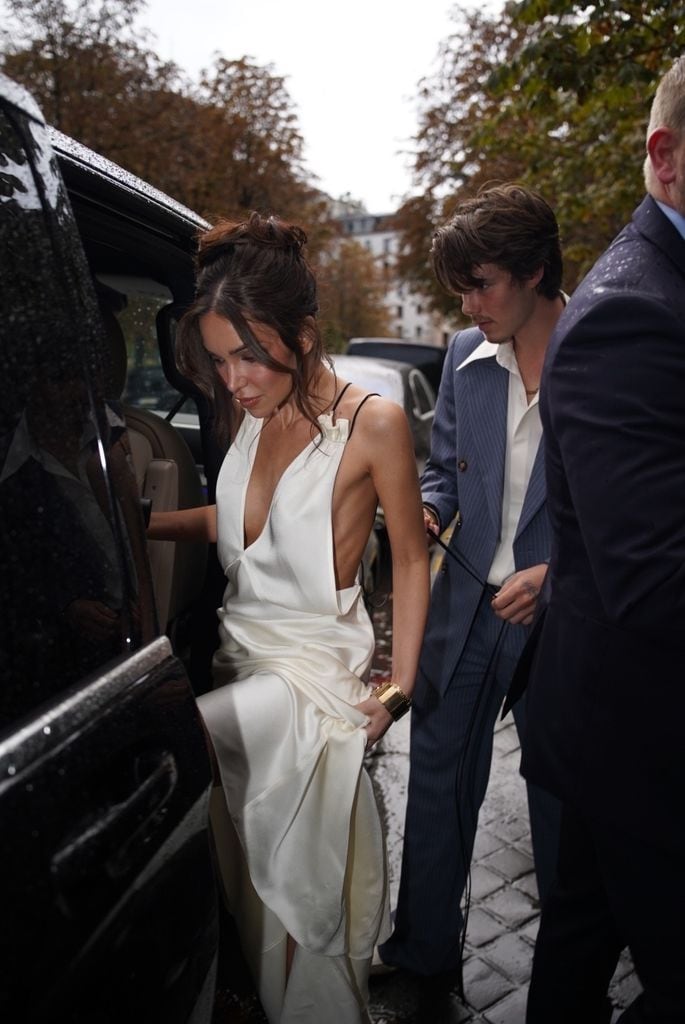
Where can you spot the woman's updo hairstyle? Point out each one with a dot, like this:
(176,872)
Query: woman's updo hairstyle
(253,271)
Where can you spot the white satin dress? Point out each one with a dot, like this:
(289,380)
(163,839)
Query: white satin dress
(293,662)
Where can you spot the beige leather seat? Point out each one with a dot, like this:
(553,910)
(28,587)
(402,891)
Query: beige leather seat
(166,473)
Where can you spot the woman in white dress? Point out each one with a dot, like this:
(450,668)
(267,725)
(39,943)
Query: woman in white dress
(299,840)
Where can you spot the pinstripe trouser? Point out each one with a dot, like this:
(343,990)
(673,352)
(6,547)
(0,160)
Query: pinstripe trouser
(450,756)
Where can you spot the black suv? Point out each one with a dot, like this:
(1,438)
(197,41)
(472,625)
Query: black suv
(109,910)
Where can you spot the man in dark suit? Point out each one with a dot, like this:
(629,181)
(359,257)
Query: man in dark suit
(606,696)
(500,255)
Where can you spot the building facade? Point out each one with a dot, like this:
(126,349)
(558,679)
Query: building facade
(410,315)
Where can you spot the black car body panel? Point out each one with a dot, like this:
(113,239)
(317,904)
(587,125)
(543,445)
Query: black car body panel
(107,888)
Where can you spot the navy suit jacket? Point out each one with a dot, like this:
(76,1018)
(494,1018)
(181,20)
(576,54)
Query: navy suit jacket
(606,696)
(465,474)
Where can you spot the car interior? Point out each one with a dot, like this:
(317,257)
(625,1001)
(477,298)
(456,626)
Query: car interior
(140,248)
(167,477)
(140,257)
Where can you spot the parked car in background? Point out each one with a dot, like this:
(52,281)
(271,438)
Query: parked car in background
(427,358)
(402,383)
(109,910)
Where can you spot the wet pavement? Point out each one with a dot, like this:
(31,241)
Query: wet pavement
(504,909)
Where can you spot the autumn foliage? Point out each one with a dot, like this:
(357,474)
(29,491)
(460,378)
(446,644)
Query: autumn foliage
(550,93)
(223,146)
(547,92)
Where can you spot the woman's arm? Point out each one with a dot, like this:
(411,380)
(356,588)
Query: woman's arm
(393,469)
(184,524)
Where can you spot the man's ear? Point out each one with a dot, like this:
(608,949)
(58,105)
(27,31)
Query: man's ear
(534,280)
(661,146)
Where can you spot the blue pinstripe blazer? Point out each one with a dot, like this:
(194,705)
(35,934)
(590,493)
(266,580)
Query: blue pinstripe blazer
(465,474)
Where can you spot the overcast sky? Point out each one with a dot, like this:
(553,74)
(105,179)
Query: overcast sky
(351,68)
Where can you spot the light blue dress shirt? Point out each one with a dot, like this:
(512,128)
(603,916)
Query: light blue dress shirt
(676,219)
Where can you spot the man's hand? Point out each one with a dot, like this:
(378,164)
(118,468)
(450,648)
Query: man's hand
(430,522)
(516,600)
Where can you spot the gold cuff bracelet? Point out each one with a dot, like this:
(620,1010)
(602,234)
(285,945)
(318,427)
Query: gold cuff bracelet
(393,700)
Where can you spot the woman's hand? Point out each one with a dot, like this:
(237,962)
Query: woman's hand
(380,719)
(184,524)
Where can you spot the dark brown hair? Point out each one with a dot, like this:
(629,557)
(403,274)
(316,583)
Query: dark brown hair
(507,225)
(253,271)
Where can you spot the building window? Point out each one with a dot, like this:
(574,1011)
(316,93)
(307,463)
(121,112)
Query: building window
(419,309)
(418,332)
(398,314)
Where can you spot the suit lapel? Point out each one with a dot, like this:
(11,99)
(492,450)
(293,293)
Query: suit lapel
(657,229)
(481,390)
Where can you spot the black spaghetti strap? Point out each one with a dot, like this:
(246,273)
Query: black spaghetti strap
(372,394)
(335,404)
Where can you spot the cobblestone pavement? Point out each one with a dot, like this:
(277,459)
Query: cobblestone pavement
(504,910)
(504,913)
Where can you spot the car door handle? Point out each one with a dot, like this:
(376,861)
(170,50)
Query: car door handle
(146,509)
(116,835)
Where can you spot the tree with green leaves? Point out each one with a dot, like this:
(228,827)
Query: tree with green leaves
(587,75)
(553,94)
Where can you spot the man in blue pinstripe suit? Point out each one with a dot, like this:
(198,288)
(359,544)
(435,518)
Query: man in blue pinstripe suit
(500,255)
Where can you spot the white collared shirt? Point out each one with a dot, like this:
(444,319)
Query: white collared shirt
(524,431)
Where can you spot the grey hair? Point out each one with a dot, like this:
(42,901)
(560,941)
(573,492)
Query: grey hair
(668,108)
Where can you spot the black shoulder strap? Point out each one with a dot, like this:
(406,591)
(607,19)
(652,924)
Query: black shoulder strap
(335,404)
(372,394)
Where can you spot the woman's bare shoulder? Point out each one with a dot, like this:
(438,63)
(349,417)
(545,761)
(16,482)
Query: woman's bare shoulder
(377,421)
(370,412)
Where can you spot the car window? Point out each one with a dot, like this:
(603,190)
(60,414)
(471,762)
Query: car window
(422,395)
(74,579)
(135,302)
(132,307)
